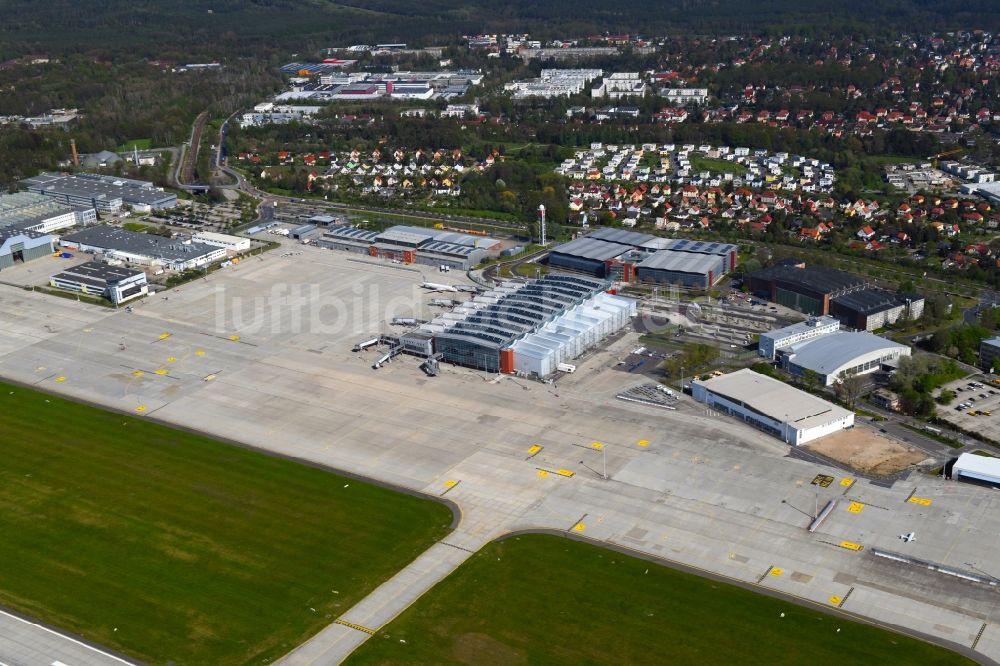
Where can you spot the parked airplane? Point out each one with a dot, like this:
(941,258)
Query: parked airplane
(433,286)
(908,537)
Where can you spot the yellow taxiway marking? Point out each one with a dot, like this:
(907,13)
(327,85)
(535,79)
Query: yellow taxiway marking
(200,352)
(643,442)
(596,445)
(846,482)
(171,359)
(542,473)
(208,378)
(234,338)
(855,507)
(60,379)
(850,545)
(835,600)
(161,371)
(923,501)
(565,472)
(450,483)
(140,409)
(357,627)
(579,527)
(533,449)
(138,373)
(777,571)
(164,336)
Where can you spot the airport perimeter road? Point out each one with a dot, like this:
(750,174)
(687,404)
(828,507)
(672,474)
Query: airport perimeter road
(23,643)
(241,356)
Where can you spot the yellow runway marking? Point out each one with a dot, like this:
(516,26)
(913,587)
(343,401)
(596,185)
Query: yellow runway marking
(846,482)
(234,338)
(579,527)
(542,473)
(60,379)
(850,545)
(532,450)
(171,359)
(835,600)
(138,373)
(596,445)
(208,378)
(450,483)
(777,571)
(164,336)
(565,472)
(923,501)
(200,352)
(161,371)
(855,507)
(140,409)
(643,442)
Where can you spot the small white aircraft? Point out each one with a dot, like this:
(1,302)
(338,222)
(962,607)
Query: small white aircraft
(908,537)
(433,286)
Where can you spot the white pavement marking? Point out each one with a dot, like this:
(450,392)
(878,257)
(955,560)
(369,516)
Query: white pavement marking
(44,639)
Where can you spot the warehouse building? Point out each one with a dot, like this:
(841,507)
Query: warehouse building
(106,194)
(807,290)
(143,249)
(872,308)
(842,353)
(115,283)
(232,244)
(794,416)
(18,246)
(782,338)
(626,255)
(588,255)
(984,469)
(413,245)
(698,271)
(35,212)
(530,328)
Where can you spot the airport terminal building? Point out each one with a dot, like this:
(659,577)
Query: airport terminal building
(529,328)
(794,416)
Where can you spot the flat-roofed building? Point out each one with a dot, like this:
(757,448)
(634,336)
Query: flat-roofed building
(118,284)
(984,469)
(106,194)
(143,249)
(37,212)
(234,244)
(698,271)
(814,327)
(794,416)
(588,255)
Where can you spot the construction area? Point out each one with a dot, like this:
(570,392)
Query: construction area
(262,355)
(869,452)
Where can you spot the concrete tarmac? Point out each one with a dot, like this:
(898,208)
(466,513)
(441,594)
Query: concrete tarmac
(687,486)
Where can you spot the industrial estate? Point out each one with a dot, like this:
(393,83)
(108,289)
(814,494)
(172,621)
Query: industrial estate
(446,354)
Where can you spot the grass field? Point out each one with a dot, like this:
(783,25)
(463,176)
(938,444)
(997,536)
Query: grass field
(548,600)
(135,226)
(701,163)
(172,547)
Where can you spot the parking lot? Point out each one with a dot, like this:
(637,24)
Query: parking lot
(976,406)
